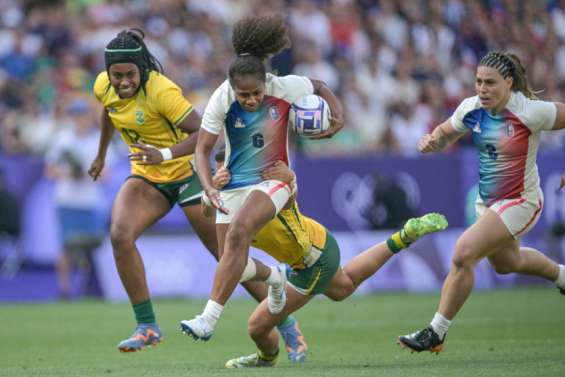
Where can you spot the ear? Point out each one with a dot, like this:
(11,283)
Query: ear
(509,81)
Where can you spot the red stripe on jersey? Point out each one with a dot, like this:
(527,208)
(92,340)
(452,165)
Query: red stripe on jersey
(514,148)
(278,187)
(510,204)
(540,206)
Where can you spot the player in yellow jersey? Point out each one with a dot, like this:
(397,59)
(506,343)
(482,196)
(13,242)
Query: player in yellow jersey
(314,259)
(156,122)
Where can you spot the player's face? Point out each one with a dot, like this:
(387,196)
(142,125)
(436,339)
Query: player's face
(125,78)
(493,89)
(249,91)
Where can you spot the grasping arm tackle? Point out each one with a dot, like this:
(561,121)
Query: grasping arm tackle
(279,171)
(149,155)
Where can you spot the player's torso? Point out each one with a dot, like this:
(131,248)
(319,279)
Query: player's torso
(256,139)
(507,149)
(289,237)
(139,121)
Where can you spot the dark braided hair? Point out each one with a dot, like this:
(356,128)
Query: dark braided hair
(254,40)
(128,47)
(509,65)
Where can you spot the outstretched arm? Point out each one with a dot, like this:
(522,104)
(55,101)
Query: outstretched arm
(106,132)
(441,137)
(204,146)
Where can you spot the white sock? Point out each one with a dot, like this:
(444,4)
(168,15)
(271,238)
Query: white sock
(212,312)
(560,282)
(440,324)
(274,277)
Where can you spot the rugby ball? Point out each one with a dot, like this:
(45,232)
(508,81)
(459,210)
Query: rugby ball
(309,115)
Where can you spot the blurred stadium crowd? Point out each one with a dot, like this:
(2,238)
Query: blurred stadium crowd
(400,66)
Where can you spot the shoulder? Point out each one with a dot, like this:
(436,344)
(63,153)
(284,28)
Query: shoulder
(534,113)
(101,85)
(469,104)
(158,82)
(223,96)
(288,87)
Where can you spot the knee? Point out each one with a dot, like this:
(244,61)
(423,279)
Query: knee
(121,240)
(465,254)
(238,235)
(256,327)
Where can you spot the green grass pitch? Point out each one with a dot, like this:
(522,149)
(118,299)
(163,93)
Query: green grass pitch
(498,333)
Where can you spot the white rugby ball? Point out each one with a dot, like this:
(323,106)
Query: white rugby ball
(309,115)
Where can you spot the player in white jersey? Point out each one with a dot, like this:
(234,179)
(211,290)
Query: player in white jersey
(251,108)
(505,120)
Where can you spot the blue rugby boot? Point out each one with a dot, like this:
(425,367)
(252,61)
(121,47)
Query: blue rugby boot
(296,347)
(145,334)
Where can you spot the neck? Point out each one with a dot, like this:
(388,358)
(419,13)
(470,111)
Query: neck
(502,104)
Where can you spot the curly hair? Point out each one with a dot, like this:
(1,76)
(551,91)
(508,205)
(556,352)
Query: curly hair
(509,65)
(254,40)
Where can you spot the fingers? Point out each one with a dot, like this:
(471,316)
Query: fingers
(143,147)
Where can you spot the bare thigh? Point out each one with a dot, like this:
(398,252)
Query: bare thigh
(137,206)
(483,238)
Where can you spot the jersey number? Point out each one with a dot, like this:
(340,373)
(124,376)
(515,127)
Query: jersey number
(492,151)
(258,141)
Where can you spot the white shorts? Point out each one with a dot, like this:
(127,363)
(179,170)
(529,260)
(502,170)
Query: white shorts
(278,191)
(518,214)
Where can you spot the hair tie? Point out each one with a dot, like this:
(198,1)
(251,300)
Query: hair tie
(244,54)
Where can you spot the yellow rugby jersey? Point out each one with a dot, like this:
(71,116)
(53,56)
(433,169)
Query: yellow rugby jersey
(289,236)
(151,117)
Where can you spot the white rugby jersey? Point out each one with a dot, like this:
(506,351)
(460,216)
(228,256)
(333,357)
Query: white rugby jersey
(507,143)
(254,140)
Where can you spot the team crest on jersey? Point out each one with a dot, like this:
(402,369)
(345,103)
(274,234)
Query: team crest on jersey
(274,111)
(140,117)
(239,124)
(477,128)
(510,129)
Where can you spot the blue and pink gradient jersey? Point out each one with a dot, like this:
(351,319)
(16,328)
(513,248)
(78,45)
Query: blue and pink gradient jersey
(507,143)
(254,140)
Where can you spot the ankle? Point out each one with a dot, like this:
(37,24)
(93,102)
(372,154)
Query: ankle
(440,324)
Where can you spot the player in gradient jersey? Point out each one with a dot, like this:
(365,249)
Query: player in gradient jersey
(505,120)
(160,127)
(312,255)
(251,109)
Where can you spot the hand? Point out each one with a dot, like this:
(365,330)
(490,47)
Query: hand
(147,155)
(562,181)
(429,143)
(278,171)
(336,124)
(96,168)
(221,178)
(214,196)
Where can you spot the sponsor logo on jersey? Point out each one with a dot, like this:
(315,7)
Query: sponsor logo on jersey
(274,111)
(239,124)
(510,129)
(183,188)
(477,128)
(140,117)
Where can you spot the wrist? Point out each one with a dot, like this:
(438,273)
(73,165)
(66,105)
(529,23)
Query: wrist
(166,153)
